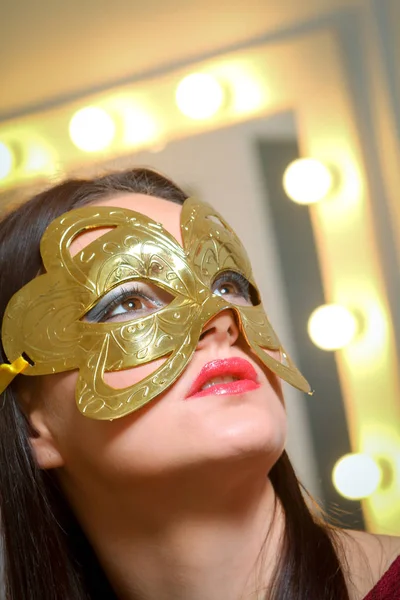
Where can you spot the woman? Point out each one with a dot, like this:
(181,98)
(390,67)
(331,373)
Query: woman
(142,424)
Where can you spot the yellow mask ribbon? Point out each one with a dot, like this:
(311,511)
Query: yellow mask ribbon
(8,372)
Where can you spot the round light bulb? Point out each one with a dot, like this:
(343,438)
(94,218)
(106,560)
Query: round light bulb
(6,160)
(356,476)
(332,326)
(199,96)
(91,129)
(307,181)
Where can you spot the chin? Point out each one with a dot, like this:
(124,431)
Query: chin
(247,436)
(200,433)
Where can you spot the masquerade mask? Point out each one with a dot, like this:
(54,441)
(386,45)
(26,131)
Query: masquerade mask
(48,327)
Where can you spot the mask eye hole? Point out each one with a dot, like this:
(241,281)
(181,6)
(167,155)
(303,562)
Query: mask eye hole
(81,244)
(129,301)
(215,220)
(235,288)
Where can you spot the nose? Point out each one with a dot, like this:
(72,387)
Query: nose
(221,329)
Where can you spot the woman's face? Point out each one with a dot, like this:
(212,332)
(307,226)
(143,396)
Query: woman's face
(173,433)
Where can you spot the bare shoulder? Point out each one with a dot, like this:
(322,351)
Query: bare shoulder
(365,557)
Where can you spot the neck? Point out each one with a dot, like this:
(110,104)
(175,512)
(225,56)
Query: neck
(187,538)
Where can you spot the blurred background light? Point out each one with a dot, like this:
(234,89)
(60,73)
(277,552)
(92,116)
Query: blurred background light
(6,160)
(332,326)
(139,127)
(199,96)
(356,476)
(38,159)
(91,129)
(247,95)
(307,180)
(246,91)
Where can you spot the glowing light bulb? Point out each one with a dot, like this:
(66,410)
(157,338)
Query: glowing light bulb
(199,96)
(332,326)
(356,476)
(6,160)
(91,129)
(307,181)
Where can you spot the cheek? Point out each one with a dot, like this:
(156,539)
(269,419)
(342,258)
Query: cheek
(85,442)
(59,403)
(274,380)
(68,425)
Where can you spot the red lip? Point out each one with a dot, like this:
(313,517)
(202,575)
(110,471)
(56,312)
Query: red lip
(235,367)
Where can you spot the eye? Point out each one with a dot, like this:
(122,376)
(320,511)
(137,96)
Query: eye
(129,301)
(235,288)
(134,302)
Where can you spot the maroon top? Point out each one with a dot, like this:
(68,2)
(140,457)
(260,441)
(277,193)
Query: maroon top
(388,587)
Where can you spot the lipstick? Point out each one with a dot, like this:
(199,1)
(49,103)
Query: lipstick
(243,374)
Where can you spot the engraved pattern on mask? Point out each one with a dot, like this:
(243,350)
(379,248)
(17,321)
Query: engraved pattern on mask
(44,319)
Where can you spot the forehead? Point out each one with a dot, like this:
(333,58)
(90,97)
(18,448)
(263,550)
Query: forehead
(162,211)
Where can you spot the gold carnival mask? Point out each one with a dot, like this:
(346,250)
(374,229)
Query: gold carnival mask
(45,321)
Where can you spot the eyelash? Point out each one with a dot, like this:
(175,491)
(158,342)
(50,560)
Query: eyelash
(234,277)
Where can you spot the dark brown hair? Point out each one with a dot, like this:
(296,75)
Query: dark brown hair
(46,554)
